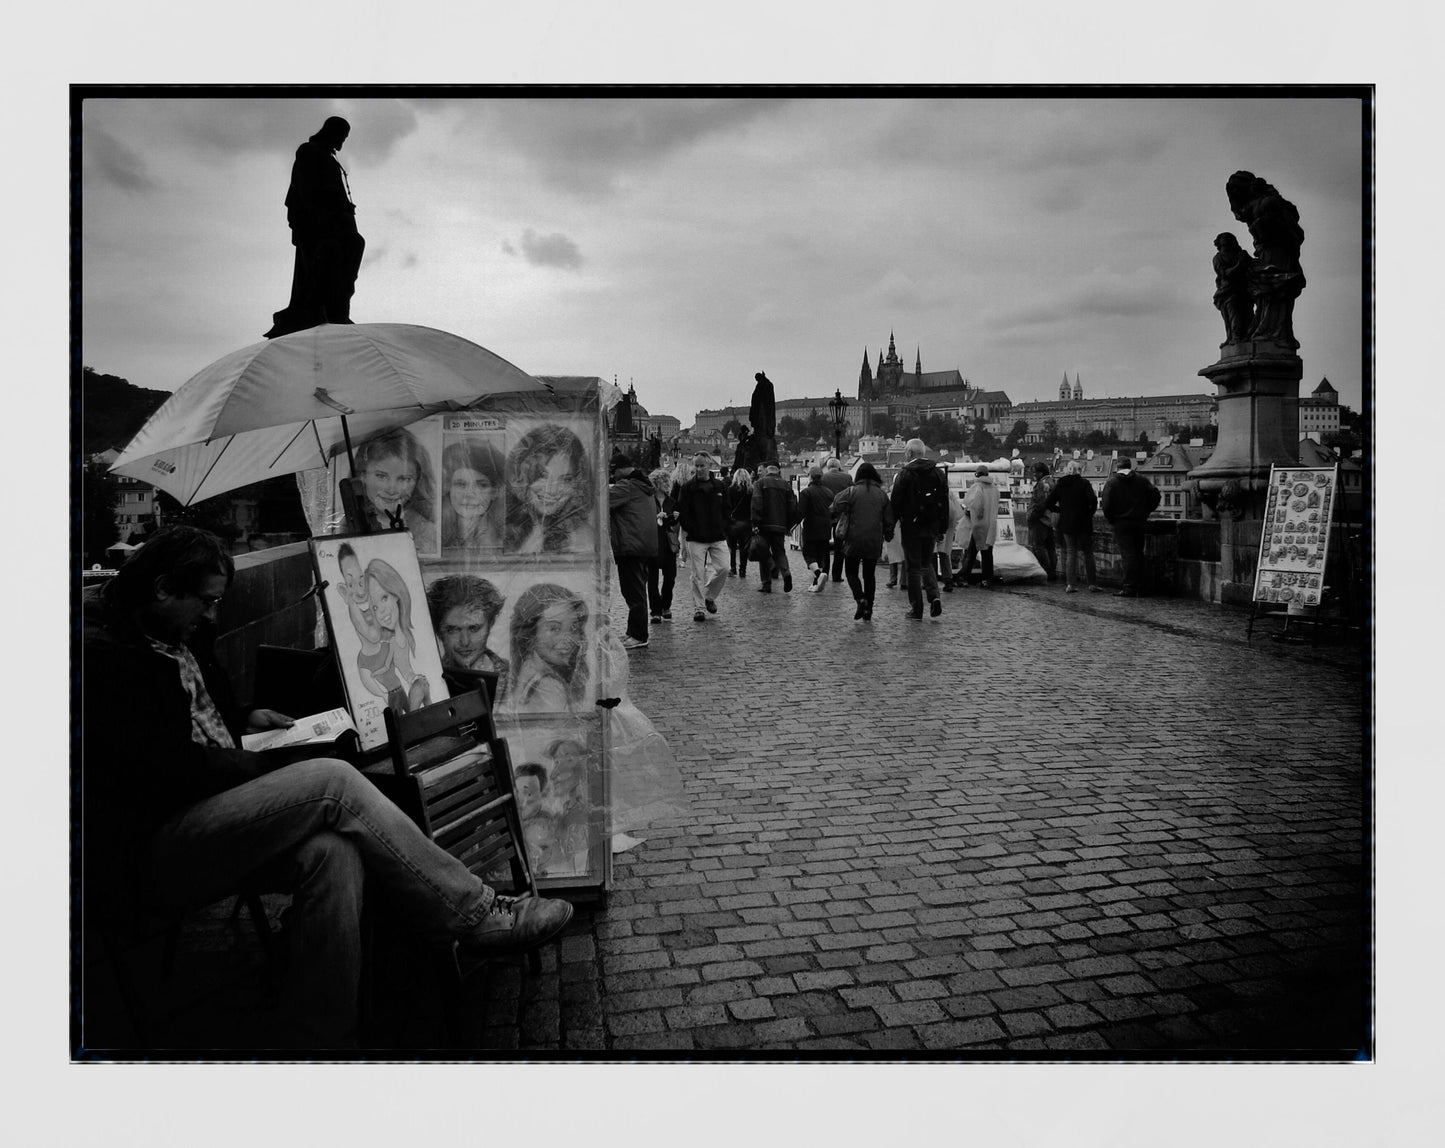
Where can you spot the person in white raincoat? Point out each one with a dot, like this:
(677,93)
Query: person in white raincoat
(981,506)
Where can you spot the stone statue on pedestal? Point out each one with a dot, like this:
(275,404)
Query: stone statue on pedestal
(763,415)
(1232,266)
(1276,278)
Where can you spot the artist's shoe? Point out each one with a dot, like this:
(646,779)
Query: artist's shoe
(787,583)
(515,925)
(711,605)
(935,608)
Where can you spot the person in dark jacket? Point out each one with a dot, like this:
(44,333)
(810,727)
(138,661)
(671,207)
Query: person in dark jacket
(702,515)
(1075,502)
(870,523)
(1041,530)
(662,570)
(1128,501)
(920,505)
(173,810)
(775,512)
(837,480)
(740,521)
(632,516)
(814,506)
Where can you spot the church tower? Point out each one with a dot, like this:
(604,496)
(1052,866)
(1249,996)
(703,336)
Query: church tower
(1078,388)
(865,378)
(890,370)
(1064,389)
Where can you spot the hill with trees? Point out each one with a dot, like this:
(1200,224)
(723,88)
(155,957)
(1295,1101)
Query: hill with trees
(112,410)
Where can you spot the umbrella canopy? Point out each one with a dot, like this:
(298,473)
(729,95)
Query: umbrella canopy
(291,403)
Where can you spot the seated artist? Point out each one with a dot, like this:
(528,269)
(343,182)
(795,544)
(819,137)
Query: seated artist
(171,802)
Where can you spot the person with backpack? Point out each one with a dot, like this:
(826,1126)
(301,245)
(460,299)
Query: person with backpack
(1129,499)
(920,505)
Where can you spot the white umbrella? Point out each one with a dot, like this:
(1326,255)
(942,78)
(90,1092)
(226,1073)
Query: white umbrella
(293,403)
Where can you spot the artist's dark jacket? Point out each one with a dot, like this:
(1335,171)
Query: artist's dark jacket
(701,510)
(139,765)
(632,511)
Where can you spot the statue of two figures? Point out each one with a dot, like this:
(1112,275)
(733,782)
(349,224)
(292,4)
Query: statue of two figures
(1255,294)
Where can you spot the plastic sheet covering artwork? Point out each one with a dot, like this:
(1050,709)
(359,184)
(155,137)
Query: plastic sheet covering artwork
(506,502)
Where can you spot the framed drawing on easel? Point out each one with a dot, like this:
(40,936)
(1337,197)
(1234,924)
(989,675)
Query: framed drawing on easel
(374,601)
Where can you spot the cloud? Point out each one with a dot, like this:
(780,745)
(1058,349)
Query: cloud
(224,127)
(587,146)
(1103,294)
(554,250)
(106,158)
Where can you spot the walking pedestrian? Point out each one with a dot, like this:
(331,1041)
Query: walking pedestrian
(870,522)
(775,512)
(943,552)
(1074,500)
(814,506)
(662,570)
(837,480)
(1041,529)
(702,516)
(1128,501)
(632,516)
(739,502)
(920,505)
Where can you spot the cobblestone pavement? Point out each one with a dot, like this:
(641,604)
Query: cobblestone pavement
(1040,823)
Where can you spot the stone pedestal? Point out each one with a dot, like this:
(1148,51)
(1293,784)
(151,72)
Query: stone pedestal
(1258,384)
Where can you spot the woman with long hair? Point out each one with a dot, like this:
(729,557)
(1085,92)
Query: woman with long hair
(549,665)
(395,473)
(471,490)
(739,505)
(550,493)
(870,521)
(662,570)
(385,664)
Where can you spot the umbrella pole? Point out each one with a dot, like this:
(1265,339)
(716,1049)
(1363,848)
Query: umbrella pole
(346,434)
(351,498)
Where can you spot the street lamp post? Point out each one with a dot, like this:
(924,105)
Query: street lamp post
(839,406)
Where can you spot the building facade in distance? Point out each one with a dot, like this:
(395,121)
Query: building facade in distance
(1120,418)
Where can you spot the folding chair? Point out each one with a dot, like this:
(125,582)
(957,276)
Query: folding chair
(458,773)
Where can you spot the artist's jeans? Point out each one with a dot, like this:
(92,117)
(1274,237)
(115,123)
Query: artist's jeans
(1073,547)
(632,578)
(323,829)
(699,555)
(922,577)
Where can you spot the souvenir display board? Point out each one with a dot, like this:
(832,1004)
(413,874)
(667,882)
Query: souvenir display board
(374,601)
(507,504)
(1295,540)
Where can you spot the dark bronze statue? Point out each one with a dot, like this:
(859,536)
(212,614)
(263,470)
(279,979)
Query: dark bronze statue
(322,218)
(1232,266)
(1276,278)
(762,414)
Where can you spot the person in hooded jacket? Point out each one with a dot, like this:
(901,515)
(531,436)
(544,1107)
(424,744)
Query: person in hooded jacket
(632,515)
(870,524)
(980,503)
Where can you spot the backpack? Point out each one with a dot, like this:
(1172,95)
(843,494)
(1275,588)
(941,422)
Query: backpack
(930,501)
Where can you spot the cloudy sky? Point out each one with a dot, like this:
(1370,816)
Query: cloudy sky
(686,243)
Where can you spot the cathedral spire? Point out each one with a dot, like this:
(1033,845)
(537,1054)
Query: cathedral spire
(1064,389)
(1078,388)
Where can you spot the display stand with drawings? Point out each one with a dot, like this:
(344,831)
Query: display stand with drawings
(1294,546)
(374,602)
